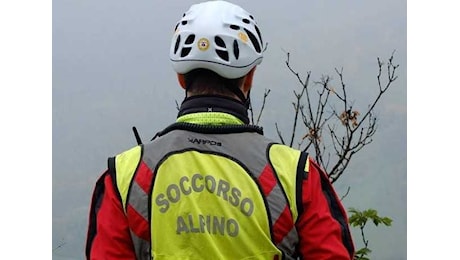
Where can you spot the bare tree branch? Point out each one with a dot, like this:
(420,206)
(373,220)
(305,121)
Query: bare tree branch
(346,194)
(61,244)
(279,134)
(266,93)
(356,128)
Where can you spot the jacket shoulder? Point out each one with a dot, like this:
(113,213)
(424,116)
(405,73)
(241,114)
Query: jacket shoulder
(290,166)
(122,168)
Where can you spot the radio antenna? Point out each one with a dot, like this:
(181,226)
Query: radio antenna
(136,134)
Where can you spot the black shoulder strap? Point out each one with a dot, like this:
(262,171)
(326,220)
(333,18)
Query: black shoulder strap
(300,177)
(112,171)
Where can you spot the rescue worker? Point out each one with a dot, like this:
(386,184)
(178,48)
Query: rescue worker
(210,185)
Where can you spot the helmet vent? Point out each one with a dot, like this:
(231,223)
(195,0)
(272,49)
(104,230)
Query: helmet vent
(258,33)
(177,25)
(185,51)
(254,41)
(222,54)
(184,22)
(252,17)
(245,21)
(236,49)
(177,44)
(234,27)
(219,42)
(190,39)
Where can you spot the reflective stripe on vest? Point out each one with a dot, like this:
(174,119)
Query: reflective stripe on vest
(138,213)
(133,181)
(284,161)
(276,176)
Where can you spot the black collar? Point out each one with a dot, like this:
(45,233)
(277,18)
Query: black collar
(213,103)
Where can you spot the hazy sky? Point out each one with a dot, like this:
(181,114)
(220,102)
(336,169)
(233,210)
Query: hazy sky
(111,72)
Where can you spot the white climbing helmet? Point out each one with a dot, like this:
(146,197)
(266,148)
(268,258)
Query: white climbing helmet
(219,36)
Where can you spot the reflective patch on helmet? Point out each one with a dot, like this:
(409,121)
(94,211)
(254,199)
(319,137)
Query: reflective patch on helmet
(243,37)
(203,44)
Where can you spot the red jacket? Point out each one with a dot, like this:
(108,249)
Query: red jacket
(193,173)
(322,226)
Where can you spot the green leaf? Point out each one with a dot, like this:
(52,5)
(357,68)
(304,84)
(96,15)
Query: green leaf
(353,210)
(387,221)
(370,213)
(363,251)
(376,221)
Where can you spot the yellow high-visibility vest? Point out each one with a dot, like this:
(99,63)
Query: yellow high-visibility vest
(189,195)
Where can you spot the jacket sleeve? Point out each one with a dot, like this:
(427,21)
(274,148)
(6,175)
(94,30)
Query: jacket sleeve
(108,234)
(323,224)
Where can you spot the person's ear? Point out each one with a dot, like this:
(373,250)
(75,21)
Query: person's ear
(247,84)
(181,79)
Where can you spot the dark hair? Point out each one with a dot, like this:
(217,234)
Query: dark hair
(203,81)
